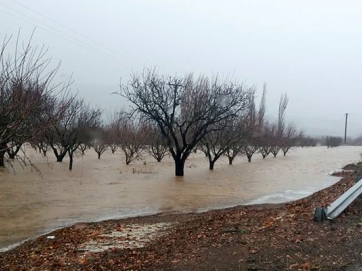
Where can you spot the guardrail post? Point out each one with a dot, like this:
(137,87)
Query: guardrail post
(320,214)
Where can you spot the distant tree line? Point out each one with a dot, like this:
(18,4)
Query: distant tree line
(333,141)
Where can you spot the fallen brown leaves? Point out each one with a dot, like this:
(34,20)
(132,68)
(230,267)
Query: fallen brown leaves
(263,237)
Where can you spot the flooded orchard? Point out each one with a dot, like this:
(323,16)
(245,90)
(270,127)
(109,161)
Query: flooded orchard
(107,188)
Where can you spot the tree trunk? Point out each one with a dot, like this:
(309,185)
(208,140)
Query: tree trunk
(179,167)
(263,156)
(211,165)
(128,160)
(2,158)
(230,160)
(70,160)
(45,153)
(60,157)
(249,157)
(99,155)
(275,155)
(13,152)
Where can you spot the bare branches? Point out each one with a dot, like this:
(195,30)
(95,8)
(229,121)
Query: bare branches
(25,90)
(262,107)
(157,145)
(75,120)
(132,138)
(185,109)
(99,141)
(266,139)
(221,140)
(113,132)
(283,103)
(289,139)
(254,126)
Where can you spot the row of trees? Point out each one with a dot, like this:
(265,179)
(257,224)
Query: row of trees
(333,141)
(168,115)
(25,91)
(34,109)
(220,117)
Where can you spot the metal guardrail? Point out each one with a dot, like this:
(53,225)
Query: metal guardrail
(339,205)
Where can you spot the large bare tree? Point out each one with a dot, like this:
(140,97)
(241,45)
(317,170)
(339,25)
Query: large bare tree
(25,90)
(185,109)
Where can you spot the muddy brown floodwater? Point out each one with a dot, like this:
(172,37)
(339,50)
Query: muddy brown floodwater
(107,188)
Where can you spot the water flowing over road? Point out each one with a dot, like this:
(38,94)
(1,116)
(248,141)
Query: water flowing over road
(107,188)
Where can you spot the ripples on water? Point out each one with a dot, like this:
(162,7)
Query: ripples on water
(107,188)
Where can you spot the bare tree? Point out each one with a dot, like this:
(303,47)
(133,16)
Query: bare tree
(254,126)
(283,103)
(184,109)
(235,147)
(289,139)
(216,143)
(73,128)
(44,147)
(157,145)
(83,147)
(86,136)
(113,132)
(25,89)
(40,143)
(234,150)
(99,141)
(266,140)
(58,134)
(251,146)
(279,131)
(82,119)
(275,145)
(132,137)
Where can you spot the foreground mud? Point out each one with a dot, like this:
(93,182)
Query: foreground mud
(263,237)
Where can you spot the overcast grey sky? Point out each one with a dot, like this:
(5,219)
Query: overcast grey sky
(311,50)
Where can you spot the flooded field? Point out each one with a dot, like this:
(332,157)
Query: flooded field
(107,188)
